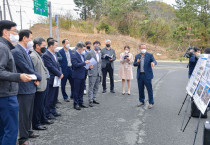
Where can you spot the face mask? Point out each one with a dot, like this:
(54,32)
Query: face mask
(14,38)
(30,44)
(88,47)
(97,48)
(126,51)
(83,52)
(31,49)
(43,50)
(108,45)
(67,46)
(143,51)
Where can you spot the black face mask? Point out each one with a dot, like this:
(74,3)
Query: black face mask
(43,49)
(108,45)
(88,47)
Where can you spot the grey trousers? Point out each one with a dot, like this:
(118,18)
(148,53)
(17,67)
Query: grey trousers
(26,105)
(93,87)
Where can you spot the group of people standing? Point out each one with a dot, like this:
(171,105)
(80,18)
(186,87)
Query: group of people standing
(30,73)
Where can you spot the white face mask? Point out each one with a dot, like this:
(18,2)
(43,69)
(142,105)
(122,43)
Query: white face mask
(31,49)
(30,44)
(67,46)
(83,52)
(14,38)
(126,51)
(143,51)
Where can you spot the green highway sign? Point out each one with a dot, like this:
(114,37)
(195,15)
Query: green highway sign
(41,7)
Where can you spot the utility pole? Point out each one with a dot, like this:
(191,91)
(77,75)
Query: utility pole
(50,17)
(4,9)
(9,10)
(1,14)
(21,23)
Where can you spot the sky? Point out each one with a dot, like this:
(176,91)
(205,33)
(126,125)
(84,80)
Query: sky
(58,7)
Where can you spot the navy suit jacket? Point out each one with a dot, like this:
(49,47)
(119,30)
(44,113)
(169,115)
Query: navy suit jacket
(24,64)
(147,65)
(64,62)
(52,66)
(79,70)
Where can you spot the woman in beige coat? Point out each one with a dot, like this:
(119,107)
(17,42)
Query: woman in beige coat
(126,70)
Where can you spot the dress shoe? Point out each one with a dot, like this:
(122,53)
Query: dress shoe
(91,104)
(50,117)
(104,91)
(123,93)
(140,104)
(150,106)
(27,143)
(83,106)
(129,93)
(112,91)
(58,102)
(47,122)
(56,114)
(77,107)
(66,100)
(33,135)
(95,102)
(40,128)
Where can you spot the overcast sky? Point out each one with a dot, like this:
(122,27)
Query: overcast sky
(58,6)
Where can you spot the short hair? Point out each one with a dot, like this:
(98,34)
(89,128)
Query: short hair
(108,41)
(196,49)
(87,42)
(5,24)
(51,42)
(80,45)
(24,33)
(97,42)
(142,45)
(38,41)
(48,39)
(64,41)
(126,46)
(207,50)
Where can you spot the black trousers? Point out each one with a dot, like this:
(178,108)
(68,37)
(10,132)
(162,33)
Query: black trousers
(108,69)
(26,105)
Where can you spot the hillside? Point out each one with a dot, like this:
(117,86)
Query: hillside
(118,41)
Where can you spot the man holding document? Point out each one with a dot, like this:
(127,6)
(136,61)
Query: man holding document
(94,74)
(79,65)
(53,66)
(108,57)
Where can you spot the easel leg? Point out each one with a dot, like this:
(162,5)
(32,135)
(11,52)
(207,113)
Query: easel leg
(196,131)
(183,104)
(185,113)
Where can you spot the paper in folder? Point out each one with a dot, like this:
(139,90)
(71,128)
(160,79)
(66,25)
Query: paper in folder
(108,57)
(92,62)
(33,76)
(56,82)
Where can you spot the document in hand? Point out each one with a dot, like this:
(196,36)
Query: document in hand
(108,57)
(125,57)
(56,82)
(33,76)
(92,62)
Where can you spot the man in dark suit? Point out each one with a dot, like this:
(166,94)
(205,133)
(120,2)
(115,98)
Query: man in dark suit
(53,66)
(78,74)
(27,90)
(66,66)
(145,61)
(9,79)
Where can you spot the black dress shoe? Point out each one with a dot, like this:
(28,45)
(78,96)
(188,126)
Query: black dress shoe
(91,104)
(51,117)
(56,114)
(33,135)
(83,106)
(77,107)
(58,102)
(95,102)
(40,128)
(104,91)
(66,100)
(48,122)
(112,91)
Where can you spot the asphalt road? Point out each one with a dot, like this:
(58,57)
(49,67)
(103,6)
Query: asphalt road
(117,120)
